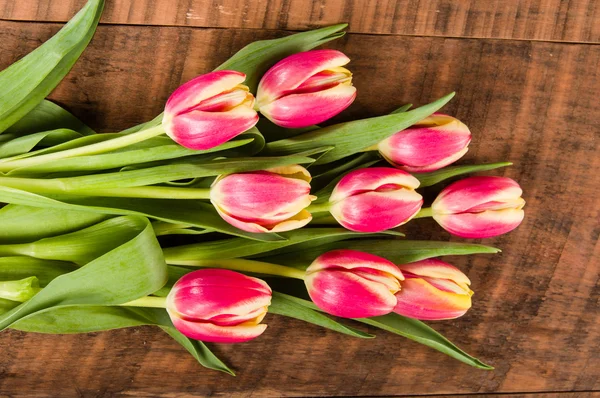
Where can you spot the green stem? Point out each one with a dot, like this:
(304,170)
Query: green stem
(92,149)
(148,301)
(424,212)
(50,186)
(324,220)
(238,264)
(21,290)
(319,207)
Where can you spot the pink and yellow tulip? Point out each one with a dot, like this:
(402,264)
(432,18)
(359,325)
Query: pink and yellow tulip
(306,88)
(429,145)
(433,290)
(480,207)
(220,306)
(272,200)
(375,199)
(353,284)
(209,110)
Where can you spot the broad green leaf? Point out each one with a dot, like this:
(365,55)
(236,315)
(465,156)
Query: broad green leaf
(12,268)
(196,213)
(422,333)
(28,81)
(86,319)
(238,247)
(273,132)
(118,159)
(132,270)
(353,137)
(20,145)
(79,247)
(47,116)
(283,304)
(434,177)
(256,58)
(27,224)
(397,251)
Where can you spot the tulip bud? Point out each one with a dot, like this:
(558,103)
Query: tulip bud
(353,284)
(219,306)
(480,207)
(306,88)
(375,199)
(433,290)
(209,110)
(272,200)
(429,145)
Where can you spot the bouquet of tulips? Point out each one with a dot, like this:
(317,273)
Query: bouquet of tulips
(279,215)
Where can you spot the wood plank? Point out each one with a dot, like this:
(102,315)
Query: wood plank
(556,20)
(535,314)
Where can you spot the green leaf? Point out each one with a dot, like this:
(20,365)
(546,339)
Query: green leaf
(86,319)
(83,246)
(421,333)
(397,251)
(353,137)
(28,81)
(434,177)
(132,270)
(26,224)
(48,116)
(238,247)
(283,304)
(12,268)
(131,156)
(20,145)
(196,213)
(256,58)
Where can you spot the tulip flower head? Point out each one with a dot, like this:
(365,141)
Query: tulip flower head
(306,88)
(480,207)
(429,145)
(375,199)
(219,306)
(433,290)
(353,284)
(209,110)
(272,200)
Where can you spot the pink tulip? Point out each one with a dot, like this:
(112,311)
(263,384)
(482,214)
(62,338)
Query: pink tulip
(209,110)
(218,305)
(480,207)
(375,199)
(306,88)
(433,290)
(271,200)
(353,284)
(429,145)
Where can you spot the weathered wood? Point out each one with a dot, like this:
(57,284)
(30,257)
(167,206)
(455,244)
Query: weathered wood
(556,20)
(535,314)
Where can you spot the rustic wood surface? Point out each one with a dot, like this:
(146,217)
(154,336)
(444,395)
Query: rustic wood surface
(531,99)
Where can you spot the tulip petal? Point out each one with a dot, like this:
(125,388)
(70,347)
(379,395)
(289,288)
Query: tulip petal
(481,225)
(302,110)
(470,192)
(292,171)
(371,179)
(352,260)
(289,73)
(256,196)
(345,294)
(377,211)
(200,130)
(436,166)
(420,300)
(189,94)
(294,222)
(211,333)
(435,268)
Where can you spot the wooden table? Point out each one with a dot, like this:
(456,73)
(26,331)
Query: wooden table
(527,78)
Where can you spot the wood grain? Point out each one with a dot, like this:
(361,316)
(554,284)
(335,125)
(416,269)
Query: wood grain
(555,20)
(536,313)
